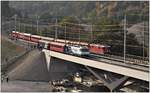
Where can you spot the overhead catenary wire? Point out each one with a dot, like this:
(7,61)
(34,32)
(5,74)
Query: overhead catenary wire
(86,24)
(72,26)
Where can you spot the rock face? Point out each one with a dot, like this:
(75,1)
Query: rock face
(33,68)
(139,30)
(52,8)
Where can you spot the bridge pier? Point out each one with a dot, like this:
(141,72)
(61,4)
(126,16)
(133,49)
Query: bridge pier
(105,78)
(118,83)
(48,59)
(58,69)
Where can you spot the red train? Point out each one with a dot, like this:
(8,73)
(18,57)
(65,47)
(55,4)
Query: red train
(99,49)
(58,45)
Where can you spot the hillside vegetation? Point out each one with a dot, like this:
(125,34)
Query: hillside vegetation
(107,19)
(80,9)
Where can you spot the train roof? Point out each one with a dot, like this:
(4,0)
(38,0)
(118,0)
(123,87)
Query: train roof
(76,42)
(27,34)
(61,40)
(24,33)
(83,43)
(36,36)
(56,43)
(20,33)
(99,45)
(46,38)
(79,46)
(15,32)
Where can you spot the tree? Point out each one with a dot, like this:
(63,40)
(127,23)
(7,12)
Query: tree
(68,19)
(72,27)
(106,29)
(47,32)
(91,17)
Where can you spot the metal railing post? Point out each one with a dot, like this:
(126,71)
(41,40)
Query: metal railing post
(125,38)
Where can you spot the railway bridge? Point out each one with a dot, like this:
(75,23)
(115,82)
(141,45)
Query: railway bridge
(126,70)
(108,65)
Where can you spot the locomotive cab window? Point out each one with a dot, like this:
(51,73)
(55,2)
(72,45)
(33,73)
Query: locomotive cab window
(84,50)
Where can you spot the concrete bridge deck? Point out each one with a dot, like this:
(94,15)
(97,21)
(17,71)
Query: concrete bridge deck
(131,72)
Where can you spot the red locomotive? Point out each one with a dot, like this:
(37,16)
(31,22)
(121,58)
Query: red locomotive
(99,49)
(59,47)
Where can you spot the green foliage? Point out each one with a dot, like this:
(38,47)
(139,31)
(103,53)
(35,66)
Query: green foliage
(104,28)
(91,17)
(67,20)
(47,32)
(46,16)
(27,29)
(83,9)
(106,23)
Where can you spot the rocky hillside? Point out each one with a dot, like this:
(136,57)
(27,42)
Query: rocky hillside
(80,8)
(140,30)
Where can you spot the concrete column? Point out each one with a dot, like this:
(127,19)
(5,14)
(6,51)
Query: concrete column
(48,58)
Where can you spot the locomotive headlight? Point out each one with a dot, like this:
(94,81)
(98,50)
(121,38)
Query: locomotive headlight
(79,52)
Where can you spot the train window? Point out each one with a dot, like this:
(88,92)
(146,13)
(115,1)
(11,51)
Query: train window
(51,45)
(56,46)
(84,50)
(105,49)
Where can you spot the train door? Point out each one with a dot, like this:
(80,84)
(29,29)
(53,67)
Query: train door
(46,45)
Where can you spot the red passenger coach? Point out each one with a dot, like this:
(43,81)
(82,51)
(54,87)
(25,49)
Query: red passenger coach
(14,34)
(47,38)
(27,36)
(20,35)
(59,47)
(35,38)
(99,49)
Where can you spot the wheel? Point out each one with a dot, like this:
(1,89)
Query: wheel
(71,53)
